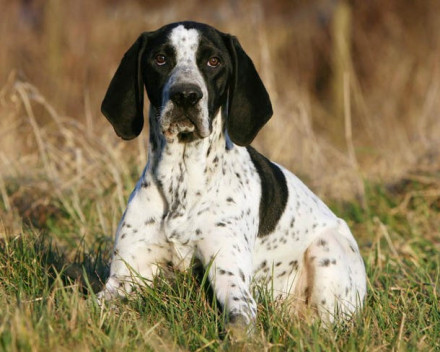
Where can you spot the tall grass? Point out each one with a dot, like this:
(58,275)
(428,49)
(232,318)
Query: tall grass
(65,177)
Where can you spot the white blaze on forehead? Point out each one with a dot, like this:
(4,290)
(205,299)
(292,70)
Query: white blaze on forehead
(185,42)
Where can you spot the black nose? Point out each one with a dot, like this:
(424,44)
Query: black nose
(185,95)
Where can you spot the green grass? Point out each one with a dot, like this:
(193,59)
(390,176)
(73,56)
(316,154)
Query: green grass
(46,285)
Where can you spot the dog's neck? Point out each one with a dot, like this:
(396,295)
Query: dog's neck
(184,170)
(163,150)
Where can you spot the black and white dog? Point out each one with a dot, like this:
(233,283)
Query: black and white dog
(206,193)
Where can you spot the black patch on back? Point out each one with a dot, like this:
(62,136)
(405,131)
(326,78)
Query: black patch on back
(274,192)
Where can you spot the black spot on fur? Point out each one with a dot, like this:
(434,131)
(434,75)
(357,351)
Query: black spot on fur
(321,243)
(294,264)
(202,211)
(282,274)
(325,262)
(274,192)
(149,222)
(292,222)
(242,276)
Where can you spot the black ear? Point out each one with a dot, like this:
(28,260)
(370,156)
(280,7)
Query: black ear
(249,106)
(124,101)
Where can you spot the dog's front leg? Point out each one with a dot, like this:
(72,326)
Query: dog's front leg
(229,262)
(140,246)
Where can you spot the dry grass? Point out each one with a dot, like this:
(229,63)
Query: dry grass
(390,83)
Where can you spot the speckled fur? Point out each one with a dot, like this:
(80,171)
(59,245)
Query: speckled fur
(202,199)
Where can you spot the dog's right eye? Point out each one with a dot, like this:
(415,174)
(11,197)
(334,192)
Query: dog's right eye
(160,60)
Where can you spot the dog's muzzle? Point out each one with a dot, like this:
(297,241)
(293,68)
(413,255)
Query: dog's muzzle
(184,117)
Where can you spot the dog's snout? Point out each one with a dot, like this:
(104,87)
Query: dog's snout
(185,95)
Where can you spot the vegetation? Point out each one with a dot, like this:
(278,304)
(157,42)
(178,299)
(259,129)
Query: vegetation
(65,177)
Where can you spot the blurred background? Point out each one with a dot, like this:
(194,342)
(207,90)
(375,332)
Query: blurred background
(355,87)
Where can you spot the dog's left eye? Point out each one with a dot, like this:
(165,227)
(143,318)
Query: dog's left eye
(213,61)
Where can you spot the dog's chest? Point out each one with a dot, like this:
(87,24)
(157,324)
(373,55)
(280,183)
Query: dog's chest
(206,192)
(184,197)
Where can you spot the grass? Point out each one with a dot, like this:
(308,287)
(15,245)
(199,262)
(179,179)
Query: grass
(65,177)
(46,289)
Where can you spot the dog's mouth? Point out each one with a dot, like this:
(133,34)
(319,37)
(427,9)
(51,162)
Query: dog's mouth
(181,128)
(184,127)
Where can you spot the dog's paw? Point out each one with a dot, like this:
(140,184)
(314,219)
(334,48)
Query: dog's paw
(106,300)
(240,328)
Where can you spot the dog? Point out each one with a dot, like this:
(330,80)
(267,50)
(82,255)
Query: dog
(207,194)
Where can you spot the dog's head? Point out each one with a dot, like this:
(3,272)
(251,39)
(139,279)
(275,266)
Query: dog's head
(189,71)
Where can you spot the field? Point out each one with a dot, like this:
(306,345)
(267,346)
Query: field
(356,93)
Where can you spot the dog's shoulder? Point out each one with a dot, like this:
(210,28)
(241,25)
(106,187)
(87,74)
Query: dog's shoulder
(274,191)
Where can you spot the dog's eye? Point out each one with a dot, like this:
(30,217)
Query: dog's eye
(213,61)
(160,60)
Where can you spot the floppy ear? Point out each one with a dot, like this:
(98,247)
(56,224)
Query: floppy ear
(124,101)
(249,106)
